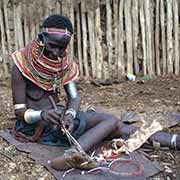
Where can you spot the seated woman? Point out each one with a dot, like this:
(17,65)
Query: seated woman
(40,69)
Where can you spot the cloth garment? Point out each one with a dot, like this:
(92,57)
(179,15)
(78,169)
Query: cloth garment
(48,134)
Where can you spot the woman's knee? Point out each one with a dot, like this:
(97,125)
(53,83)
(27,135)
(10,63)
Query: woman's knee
(111,119)
(97,118)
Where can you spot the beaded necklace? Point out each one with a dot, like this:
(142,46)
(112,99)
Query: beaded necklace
(46,73)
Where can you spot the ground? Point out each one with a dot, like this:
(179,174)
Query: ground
(152,94)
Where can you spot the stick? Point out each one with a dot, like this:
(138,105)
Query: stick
(68,134)
(53,103)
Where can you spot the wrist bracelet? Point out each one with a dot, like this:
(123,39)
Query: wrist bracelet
(19,106)
(31,116)
(72,112)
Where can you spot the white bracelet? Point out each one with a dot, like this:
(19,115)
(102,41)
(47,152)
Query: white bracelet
(31,116)
(19,106)
(72,112)
(173,141)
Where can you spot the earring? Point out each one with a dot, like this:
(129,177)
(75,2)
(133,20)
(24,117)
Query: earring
(59,59)
(41,44)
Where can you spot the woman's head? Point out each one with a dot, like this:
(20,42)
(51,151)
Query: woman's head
(58,21)
(56,35)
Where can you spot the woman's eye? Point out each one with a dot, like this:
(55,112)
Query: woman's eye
(55,46)
(52,45)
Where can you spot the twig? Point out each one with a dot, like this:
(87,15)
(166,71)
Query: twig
(53,103)
(68,171)
(68,134)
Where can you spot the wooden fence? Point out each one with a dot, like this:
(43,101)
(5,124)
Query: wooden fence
(112,37)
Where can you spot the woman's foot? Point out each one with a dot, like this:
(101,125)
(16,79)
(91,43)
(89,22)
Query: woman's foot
(166,140)
(74,160)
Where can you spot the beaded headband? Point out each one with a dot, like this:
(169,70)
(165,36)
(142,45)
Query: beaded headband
(57,31)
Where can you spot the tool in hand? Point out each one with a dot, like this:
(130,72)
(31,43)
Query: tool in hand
(67,133)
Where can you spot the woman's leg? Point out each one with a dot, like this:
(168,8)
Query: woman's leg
(165,139)
(123,130)
(98,127)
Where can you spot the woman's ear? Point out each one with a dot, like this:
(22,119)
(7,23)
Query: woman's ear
(42,39)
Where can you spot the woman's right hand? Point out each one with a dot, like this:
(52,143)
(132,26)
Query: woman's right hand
(52,116)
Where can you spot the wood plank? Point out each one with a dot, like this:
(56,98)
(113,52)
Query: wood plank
(71,45)
(135,32)
(7,15)
(109,40)
(84,40)
(143,36)
(3,42)
(128,31)
(15,27)
(79,44)
(6,18)
(157,38)
(98,33)
(120,59)
(92,50)
(58,7)
(148,37)
(115,39)
(163,36)
(169,37)
(152,12)
(26,25)
(19,26)
(176,36)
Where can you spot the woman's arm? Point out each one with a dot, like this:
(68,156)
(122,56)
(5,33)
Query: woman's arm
(73,97)
(73,105)
(19,100)
(18,84)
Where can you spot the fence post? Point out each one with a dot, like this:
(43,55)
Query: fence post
(157,39)
(169,37)
(176,36)
(128,31)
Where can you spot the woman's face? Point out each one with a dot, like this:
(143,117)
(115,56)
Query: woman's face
(56,45)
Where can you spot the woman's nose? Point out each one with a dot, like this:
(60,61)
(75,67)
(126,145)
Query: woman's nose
(56,52)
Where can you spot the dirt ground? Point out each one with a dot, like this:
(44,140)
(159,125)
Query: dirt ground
(157,95)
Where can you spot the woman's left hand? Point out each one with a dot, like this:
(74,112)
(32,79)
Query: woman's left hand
(68,122)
